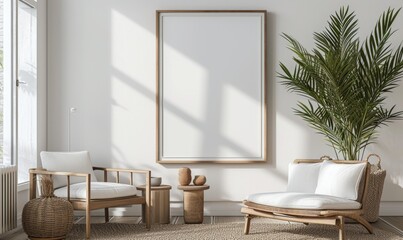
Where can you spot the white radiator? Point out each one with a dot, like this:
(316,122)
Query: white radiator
(8,199)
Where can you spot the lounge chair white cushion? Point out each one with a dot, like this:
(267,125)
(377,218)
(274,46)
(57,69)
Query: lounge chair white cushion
(99,190)
(303,177)
(303,201)
(340,180)
(78,162)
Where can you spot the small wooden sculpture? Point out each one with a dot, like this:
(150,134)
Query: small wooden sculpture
(199,180)
(185,176)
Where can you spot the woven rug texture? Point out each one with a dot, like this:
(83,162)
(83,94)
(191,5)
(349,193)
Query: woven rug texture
(225,231)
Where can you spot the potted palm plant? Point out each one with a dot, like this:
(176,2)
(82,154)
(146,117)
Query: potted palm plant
(345,83)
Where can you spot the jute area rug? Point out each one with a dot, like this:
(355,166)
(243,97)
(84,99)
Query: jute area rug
(224,231)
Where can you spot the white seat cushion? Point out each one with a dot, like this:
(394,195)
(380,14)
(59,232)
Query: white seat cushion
(303,201)
(99,190)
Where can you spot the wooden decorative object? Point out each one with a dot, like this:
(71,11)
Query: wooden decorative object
(185,176)
(47,217)
(193,203)
(199,180)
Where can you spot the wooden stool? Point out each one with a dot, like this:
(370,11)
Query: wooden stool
(160,200)
(193,203)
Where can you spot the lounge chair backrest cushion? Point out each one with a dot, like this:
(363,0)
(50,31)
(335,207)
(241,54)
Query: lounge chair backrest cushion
(78,162)
(340,180)
(303,177)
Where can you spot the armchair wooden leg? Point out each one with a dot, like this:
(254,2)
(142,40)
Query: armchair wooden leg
(106,215)
(364,223)
(340,224)
(247,224)
(145,214)
(148,217)
(88,207)
(87,223)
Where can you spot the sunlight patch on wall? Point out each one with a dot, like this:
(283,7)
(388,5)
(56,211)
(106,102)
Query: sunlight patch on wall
(245,109)
(130,54)
(192,92)
(123,117)
(292,134)
(397,180)
(187,131)
(132,88)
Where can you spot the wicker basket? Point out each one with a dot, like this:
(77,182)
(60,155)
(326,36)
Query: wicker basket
(375,188)
(47,217)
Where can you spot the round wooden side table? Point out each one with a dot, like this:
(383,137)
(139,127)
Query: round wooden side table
(160,200)
(193,203)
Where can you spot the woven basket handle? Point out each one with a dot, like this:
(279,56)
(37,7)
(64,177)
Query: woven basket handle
(378,159)
(325,157)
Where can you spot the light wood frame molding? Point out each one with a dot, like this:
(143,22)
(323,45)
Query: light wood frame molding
(234,146)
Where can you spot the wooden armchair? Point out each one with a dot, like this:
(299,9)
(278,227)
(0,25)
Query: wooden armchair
(83,191)
(304,205)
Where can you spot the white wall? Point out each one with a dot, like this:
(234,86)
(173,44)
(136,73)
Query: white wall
(101,60)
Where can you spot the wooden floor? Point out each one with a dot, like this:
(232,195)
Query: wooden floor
(392,224)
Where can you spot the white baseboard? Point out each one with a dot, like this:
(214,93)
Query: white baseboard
(391,209)
(210,209)
(225,208)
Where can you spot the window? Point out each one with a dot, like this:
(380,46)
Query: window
(2,9)
(18,67)
(27,89)
(7,76)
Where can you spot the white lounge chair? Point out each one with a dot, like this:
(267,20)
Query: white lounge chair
(322,192)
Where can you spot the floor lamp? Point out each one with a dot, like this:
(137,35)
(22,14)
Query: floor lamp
(72,110)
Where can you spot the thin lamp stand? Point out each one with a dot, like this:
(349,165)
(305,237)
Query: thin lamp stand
(71,110)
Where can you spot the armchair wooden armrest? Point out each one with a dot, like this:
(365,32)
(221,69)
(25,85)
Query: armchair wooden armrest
(42,171)
(33,172)
(122,170)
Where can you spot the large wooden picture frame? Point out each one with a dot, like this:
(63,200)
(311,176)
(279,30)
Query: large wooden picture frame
(211,86)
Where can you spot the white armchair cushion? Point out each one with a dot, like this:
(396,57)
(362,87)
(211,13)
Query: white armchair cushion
(295,200)
(99,190)
(303,177)
(78,162)
(340,180)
